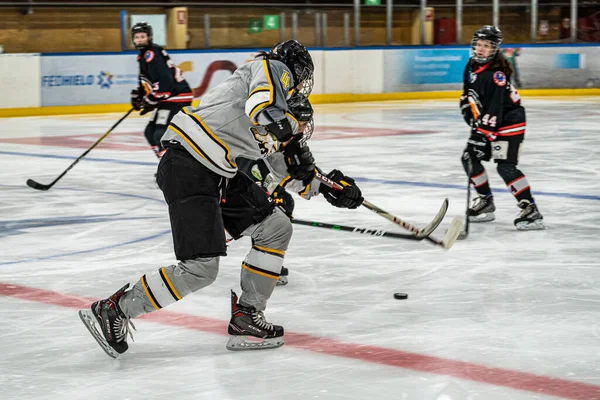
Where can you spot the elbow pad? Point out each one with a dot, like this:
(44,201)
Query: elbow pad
(282,130)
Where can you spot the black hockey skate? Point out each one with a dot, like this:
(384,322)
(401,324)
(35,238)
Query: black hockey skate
(482,209)
(530,218)
(114,325)
(283,277)
(249,330)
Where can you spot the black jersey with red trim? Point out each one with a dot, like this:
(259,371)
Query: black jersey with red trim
(160,79)
(494,101)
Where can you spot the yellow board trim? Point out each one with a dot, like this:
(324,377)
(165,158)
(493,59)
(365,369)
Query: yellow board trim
(207,130)
(145,286)
(260,272)
(269,250)
(314,99)
(164,274)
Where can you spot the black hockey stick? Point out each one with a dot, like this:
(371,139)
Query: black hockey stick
(451,234)
(40,186)
(465,233)
(363,231)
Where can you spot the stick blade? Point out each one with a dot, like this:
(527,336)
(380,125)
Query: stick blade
(452,233)
(36,185)
(437,220)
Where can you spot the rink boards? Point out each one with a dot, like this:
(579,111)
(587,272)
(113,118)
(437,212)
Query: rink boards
(59,83)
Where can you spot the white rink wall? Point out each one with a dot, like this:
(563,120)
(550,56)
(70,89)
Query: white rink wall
(19,80)
(76,79)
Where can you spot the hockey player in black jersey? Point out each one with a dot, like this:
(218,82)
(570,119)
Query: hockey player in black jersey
(260,170)
(492,108)
(162,87)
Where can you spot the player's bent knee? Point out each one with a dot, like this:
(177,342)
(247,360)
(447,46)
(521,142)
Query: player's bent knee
(275,231)
(199,272)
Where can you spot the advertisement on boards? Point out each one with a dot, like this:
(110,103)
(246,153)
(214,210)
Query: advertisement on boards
(109,79)
(408,70)
(544,67)
(87,79)
(554,67)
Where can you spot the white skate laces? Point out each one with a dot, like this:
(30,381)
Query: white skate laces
(258,318)
(123,328)
(479,203)
(527,208)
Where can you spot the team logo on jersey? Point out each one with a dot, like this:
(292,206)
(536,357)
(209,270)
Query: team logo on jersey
(149,55)
(285,79)
(473,77)
(500,78)
(266,142)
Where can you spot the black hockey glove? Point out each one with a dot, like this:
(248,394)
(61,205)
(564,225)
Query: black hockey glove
(149,103)
(478,148)
(136,99)
(349,197)
(284,200)
(299,160)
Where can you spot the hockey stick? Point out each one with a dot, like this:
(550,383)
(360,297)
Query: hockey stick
(40,186)
(364,231)
(420,233)
(465,233)
(446,244)
(451,234)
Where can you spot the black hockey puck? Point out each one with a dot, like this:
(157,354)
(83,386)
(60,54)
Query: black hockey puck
(400,296)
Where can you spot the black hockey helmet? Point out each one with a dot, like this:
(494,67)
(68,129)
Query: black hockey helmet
(302,110)
(297,58)
(141,27)
(490,33)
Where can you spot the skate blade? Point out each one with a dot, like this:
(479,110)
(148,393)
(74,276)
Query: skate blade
(282,281)
(89,320)
(242,343)
(536,225)
(482,217)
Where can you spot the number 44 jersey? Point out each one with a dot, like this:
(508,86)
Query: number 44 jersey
(493,100)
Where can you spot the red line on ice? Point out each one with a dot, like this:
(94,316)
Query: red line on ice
(377,355)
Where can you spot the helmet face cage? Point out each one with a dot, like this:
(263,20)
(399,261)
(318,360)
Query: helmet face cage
(302,110)
(308,130)
(141,27)
(307,86)
(491,34)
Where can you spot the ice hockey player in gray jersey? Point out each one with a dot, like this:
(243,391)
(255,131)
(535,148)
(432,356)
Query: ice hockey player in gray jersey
(245,115)
(260,171)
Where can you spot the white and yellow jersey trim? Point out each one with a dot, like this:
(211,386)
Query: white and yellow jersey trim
(202,143)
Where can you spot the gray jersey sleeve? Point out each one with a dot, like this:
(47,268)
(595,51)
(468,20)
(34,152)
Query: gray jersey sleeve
(270,86)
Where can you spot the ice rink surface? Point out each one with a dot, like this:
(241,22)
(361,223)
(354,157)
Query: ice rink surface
(504,315)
